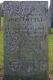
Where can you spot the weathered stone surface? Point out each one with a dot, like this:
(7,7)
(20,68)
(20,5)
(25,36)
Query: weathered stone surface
(25,40)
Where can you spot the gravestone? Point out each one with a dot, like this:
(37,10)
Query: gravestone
(25,40)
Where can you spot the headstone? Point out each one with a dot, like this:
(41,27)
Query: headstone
(25,40)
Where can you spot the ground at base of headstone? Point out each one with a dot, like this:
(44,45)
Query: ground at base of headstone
(1,78)
(51,77)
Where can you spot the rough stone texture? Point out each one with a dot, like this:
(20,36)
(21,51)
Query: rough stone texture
(25,40)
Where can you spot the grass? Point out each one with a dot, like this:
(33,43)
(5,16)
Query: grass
(50,53)
(50,48)
(51,30)
(1,52)
(1,48)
